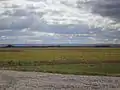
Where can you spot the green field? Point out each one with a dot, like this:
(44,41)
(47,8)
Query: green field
(69,60)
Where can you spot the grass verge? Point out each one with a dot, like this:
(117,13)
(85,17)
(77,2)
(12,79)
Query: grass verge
(102,69)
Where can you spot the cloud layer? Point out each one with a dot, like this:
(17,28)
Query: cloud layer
(59,21)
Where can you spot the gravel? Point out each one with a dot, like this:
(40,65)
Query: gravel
(14,80)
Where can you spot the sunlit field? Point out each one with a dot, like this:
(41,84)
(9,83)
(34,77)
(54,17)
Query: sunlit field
(50,54)
(71,60)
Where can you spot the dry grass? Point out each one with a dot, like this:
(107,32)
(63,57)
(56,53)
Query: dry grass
(52,54)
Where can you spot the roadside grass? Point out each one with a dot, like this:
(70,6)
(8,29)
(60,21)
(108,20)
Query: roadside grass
(104,69)
(83,61)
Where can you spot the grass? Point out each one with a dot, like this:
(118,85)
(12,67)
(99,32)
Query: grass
(76,69)
(48,54)
(90,61)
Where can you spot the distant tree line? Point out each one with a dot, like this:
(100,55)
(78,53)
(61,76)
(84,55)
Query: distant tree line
(97,46)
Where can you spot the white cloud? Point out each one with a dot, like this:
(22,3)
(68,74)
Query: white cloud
(58,21)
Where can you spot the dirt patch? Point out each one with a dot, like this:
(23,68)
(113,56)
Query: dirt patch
(14,80)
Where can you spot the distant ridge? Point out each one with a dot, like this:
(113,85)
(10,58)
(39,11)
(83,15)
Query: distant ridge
(59,45)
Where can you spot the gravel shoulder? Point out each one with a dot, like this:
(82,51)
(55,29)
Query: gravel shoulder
(16,80)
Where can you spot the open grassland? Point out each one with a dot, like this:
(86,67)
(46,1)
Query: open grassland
(72,60)
(50,54)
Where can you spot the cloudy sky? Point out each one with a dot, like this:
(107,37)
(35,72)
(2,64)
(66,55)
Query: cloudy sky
(59,21)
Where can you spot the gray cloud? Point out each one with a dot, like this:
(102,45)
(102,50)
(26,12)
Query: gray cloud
(15,23)
(107,8)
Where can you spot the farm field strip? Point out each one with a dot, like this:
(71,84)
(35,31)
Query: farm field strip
(87,61)
(60,54)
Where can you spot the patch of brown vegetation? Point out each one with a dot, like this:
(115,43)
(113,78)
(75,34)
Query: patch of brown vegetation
(11,50)
(56,62)
(112,61)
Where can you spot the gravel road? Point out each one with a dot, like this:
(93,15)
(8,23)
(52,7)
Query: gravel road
(14,80)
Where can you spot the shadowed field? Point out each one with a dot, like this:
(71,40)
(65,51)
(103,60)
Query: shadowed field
(102,61)
(11,50)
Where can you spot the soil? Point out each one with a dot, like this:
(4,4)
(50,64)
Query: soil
(14,80)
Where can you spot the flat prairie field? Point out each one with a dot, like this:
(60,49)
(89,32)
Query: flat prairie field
(50,54)
(73,60)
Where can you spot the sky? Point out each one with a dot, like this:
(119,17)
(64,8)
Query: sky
(59,21)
